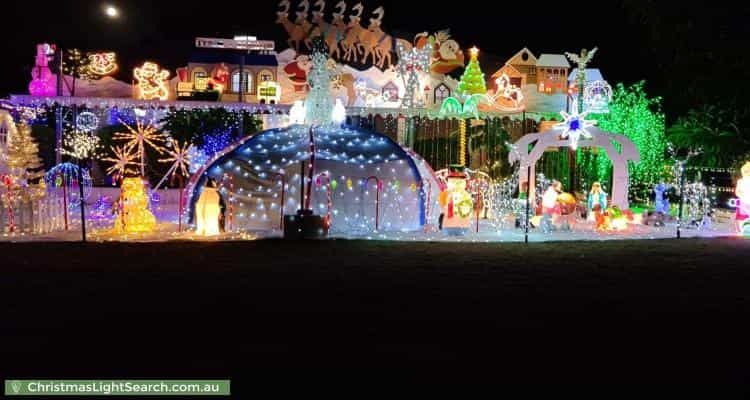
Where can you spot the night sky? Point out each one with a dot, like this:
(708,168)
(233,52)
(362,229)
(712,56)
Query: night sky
(688,55)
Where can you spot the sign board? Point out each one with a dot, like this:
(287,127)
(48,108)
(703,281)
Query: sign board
(184,87)
(201,83)
(269,92)
(232,44)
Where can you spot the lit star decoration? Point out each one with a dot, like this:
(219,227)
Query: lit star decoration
(137,138)
(121,162)
(574,126)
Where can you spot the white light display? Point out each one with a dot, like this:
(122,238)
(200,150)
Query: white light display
(347,156)
(411,63)
(87,121)
(297,113)
(339,113)
(596,97)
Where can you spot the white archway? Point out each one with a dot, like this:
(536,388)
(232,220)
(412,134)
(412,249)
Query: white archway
(531,147)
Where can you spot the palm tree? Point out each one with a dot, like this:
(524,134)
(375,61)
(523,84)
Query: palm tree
(453,108)
(715,131)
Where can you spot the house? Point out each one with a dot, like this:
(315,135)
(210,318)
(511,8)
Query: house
(524,63)
(390,91)
(552,73)
(592,74)
(516,78)
(219,70)
(442,92)
(549,72)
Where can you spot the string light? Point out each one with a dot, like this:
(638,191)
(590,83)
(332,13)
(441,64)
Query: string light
(122,161)
(87,121)
(139,136)
(81,145)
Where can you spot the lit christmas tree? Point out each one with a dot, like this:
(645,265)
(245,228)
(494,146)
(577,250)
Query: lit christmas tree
(22,156)
(472,81)
(319,102)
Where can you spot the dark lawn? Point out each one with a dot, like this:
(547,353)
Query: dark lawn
(338,311)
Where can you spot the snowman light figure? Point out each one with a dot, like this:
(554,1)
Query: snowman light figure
(457,203)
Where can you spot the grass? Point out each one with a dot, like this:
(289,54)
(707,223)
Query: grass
(269,312)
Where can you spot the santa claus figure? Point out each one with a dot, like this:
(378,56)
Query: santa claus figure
(297,71)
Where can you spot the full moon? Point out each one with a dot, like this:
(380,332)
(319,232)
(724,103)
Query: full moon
(111,11)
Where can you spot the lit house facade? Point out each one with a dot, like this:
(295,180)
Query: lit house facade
(219,70)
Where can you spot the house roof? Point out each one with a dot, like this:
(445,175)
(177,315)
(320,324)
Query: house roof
(230,57)
(499,72)
(592,74)
(552,60)
(525,49)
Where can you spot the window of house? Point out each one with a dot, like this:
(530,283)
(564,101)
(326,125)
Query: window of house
(199,73)
(265,76)
(236,82)
(441,93)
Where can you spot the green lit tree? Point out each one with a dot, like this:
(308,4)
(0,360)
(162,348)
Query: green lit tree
(639,117)
(472,81)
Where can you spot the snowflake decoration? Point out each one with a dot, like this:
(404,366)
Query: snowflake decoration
(575,126)
(139,136)
(180,157)
(122,160)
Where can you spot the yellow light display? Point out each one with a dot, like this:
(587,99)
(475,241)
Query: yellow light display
(152,82)
(462,141)
(133,215)
(102,63)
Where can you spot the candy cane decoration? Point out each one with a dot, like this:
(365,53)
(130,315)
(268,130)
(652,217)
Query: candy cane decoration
(281,203)
(65,199)
(377,199)
(7,181)
(329,203)
(230,205)
(479,200)
(428,206)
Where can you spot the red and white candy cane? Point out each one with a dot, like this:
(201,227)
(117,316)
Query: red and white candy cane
(8,182)
(281,203)
(377,199)
(329,203)
(428,205)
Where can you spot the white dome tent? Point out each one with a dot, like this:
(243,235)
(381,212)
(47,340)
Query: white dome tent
(364,169)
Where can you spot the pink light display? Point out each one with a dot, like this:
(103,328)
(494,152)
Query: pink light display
(43,81)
